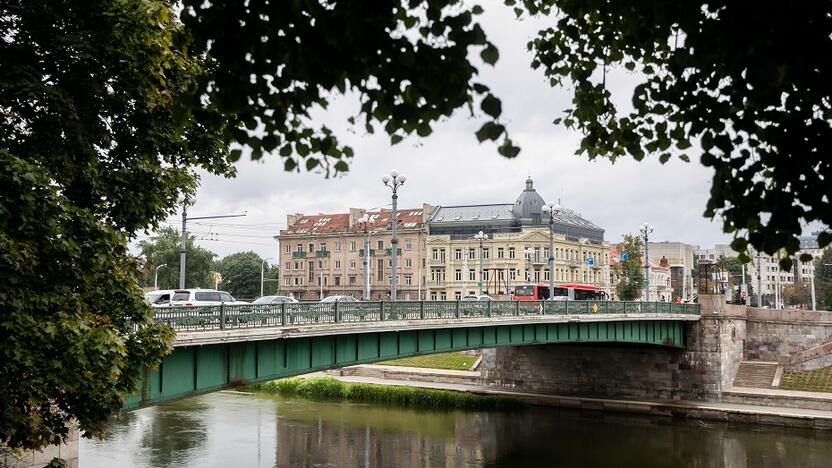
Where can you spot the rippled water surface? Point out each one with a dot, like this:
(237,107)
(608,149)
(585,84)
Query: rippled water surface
(243,430)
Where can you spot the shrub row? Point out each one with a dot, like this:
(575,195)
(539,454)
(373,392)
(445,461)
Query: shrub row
(330,389)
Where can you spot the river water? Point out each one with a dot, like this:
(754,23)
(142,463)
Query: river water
(230,429)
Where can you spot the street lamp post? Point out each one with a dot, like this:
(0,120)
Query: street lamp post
(394,180)
(552,209)
(529,252)
(364,222)
(156,276)
(481,237)
(645,230)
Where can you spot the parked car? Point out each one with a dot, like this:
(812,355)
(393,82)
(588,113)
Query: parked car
(480,297)
(339,299)
(202,297)
(274,300)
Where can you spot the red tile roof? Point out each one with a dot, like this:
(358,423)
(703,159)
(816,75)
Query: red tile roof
(340,222)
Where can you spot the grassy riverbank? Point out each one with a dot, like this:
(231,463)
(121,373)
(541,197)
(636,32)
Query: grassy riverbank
(819,380)
(453,361)
(331,389)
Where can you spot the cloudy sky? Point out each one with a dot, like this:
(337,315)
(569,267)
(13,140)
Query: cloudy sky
(450,167)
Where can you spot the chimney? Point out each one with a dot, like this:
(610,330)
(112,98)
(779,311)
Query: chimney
(427,212)
(292,219)
(355,213)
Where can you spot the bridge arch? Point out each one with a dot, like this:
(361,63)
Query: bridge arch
(204,362)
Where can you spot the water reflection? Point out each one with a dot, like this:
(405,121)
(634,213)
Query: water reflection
(228,429)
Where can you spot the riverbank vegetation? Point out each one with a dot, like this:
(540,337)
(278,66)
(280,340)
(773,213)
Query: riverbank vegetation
(452,361)
(331,389)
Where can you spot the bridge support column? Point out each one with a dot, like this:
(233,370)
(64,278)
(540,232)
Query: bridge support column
(714,349)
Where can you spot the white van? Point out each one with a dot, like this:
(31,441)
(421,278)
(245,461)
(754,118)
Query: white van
(202,297)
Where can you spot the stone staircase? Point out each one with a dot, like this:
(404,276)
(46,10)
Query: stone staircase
(756,374)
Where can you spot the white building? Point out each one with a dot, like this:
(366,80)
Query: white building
(769,279)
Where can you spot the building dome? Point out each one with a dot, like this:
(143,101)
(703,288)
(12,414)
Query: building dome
(529,204)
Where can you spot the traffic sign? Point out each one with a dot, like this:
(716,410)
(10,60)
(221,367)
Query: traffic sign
(624,255)
(645,282)
(589,261)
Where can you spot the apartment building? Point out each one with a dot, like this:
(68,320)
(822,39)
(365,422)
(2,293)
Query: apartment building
(323,254)
(516,250)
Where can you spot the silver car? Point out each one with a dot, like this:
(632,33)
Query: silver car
(275,300)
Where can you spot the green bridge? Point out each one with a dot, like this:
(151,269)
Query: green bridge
(227,346)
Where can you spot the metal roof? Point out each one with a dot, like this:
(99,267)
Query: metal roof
(473,213)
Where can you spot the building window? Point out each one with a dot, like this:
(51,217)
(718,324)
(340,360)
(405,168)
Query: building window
(352,264)
(485,275)
(323,246)
(320,263)
(457,295)
(485,253)
(472,275)
(352,280)
(457,254)
(381,245)
(300,247)
(287,281)
(337,264)
(433,295)
(408,263)
(458,275)
(500,253)
(287,248)
(408,280)
(408,244)
(546,275)
(511,252)
(297,266)
(380,270)
(352,246)
(443,296)
(337,246)
(472,254)
(288,265)
(311,247)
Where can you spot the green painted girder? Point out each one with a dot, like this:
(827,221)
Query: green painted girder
(192,370)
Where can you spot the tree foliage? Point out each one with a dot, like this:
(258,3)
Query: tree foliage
(408,60)
(241,274)
(163,248)
(797,294)
(630,272)
(749,84)
(733,268)
(89,154)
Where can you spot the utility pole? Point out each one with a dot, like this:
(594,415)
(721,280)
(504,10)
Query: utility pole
(645,230)
(183,252)
(156,279)
(364,222)
(481,236)
(552,210)
(262,275)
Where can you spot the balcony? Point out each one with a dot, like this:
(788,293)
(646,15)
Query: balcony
(361,252)
(390,252)
(322,253)
(436,261)
(298,254)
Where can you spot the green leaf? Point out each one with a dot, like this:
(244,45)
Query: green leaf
(491,106)
(489,131)
(342,166)
(490,54)
(312,163)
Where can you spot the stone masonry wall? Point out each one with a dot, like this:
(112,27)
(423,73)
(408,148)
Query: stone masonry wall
(68,451)
(778,335)
(702,371)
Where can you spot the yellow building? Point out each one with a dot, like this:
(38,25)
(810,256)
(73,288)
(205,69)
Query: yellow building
(515,251)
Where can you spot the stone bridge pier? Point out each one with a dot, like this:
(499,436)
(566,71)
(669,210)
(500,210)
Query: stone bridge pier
(701,371)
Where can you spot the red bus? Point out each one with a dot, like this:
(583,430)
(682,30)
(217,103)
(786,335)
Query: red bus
(563,291)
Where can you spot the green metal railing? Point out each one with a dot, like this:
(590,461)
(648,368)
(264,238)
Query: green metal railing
(320,313)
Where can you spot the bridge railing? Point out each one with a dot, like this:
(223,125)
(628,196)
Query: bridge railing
(295,314)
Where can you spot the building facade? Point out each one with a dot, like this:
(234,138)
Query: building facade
(322,255)
(680,263)
(764,270)
(515,252)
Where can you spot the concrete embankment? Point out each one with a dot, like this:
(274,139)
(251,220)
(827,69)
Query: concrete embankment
(770,412)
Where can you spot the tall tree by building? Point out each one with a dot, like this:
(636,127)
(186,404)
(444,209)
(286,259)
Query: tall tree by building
(823,280)
(240,274)
(630,272)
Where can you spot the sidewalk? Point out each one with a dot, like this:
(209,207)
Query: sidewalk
(720,411)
